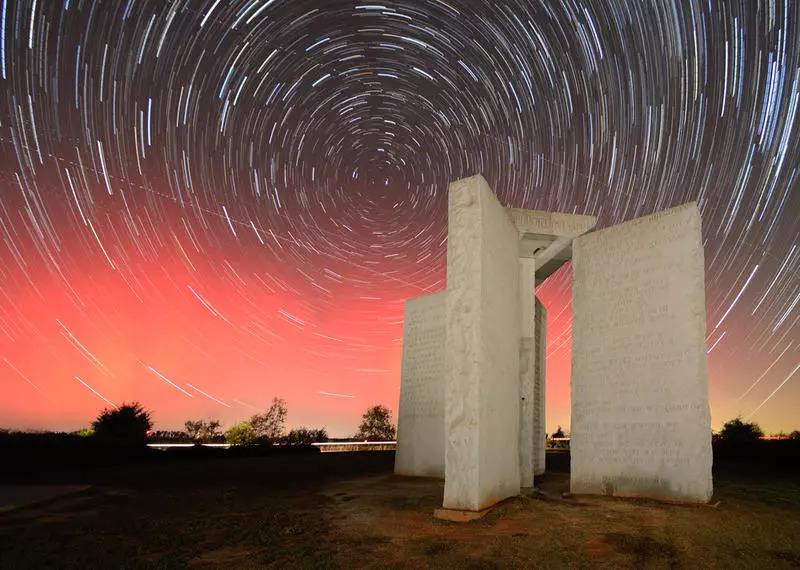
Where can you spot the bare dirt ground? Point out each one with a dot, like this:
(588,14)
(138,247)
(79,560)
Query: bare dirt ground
(348,510)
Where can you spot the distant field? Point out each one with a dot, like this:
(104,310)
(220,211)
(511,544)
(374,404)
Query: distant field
(348,510)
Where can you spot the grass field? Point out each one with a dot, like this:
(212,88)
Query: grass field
(348,510)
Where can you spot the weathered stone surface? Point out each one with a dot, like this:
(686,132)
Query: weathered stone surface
(527,410)
(540,381)
(527,377)
(482,350)
(420,424)
(472,396)
(460,516)
(640,415)
(550,223)
(547,237)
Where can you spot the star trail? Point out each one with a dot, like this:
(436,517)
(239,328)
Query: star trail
(206,205)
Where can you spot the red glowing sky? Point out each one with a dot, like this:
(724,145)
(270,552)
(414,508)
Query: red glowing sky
(201,211)
(241,337)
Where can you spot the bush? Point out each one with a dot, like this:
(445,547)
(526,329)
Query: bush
(557,440)
(376,425)
(128,424)
(305,436)
(204,431)
(779,455)
(269,427)
(170,436)
(241,434)
(739,431)
(44,456)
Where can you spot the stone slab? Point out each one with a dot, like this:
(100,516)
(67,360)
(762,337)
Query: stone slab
(537,222)
(527,377)
(527,410)
(539,385)
(641,422)
(460,516)
(482,350)
(547,237)
(420,424)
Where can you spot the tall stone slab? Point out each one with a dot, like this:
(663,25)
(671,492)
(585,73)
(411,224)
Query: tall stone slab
(527,371)
(420,424)
(540,381)
(640,413)
(482,350)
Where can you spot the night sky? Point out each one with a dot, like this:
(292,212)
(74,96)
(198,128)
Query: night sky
(206,204)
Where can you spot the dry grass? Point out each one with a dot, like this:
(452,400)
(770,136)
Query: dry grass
(379,520)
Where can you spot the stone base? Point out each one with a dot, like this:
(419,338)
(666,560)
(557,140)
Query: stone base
(459,516)
(677,502)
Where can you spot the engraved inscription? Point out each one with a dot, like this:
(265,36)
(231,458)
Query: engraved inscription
(420,426)
(423,360)
(550,223)
(639,379)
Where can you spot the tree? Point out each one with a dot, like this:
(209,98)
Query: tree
(794,435)
(203,430)
(241,434)
(305,436)
(376,425)
(739,431)
(170,436)
(127,424)
(269,426)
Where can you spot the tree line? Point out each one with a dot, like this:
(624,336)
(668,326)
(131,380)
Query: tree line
(132,423)
(734,432)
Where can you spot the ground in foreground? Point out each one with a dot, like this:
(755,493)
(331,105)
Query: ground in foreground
(330,514)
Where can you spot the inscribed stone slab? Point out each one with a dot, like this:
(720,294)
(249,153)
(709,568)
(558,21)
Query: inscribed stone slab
(420,424)
(550,223)
(640,414)
(482,350)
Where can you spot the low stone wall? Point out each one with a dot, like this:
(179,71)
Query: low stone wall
(356,446)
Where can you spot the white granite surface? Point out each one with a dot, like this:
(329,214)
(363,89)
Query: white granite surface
(640,413)
(420,424)
(482,350)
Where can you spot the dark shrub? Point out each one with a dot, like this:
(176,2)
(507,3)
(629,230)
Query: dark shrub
(305,436)
(739,431)
(127,425)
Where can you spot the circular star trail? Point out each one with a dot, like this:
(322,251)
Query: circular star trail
(208,204)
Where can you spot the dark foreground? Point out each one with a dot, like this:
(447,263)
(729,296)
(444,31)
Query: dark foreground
(348,510)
